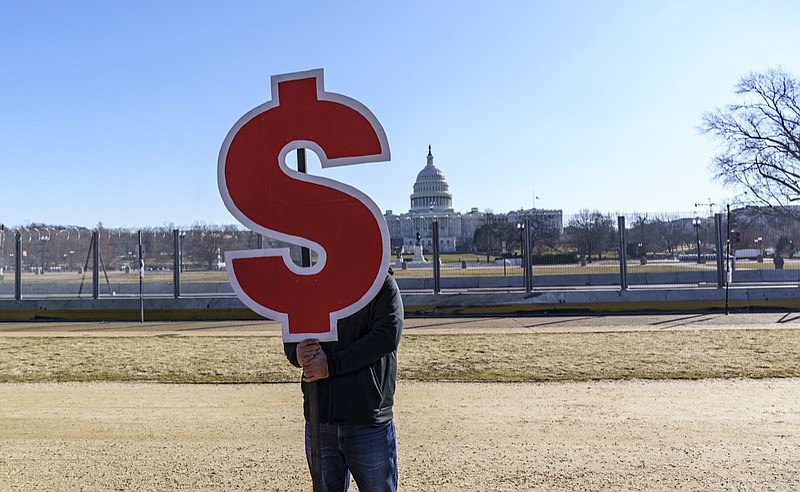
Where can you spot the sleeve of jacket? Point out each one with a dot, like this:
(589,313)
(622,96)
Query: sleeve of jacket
(381,340)
(290,349)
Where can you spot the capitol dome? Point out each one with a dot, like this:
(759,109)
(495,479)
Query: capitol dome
(431,191)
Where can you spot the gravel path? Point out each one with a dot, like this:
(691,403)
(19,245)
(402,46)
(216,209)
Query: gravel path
(625,435)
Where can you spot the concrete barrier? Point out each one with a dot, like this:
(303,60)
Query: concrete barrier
(595,301)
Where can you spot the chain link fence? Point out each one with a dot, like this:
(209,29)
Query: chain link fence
(592,249)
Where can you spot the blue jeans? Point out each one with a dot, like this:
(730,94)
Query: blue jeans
(368,452)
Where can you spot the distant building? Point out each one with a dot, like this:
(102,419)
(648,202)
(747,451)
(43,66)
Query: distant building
(553,218)
(431,200)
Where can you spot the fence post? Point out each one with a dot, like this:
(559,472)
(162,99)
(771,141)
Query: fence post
(437,271)
(522,227)
(623,258)
(176,263)
(528,256)
(95,264)
(18,266)
(720,251)
(141,278)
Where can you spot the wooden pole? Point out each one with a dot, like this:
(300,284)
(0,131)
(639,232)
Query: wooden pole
(313,388)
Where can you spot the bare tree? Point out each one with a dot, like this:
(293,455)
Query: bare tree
(760,136)
(591,232)
(544,233)
(206,243)
(642,236)
(490,236)
(672,230)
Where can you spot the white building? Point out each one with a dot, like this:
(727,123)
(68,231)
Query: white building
(432,201)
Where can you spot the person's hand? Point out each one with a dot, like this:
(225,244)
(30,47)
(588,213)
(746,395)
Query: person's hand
(316,368)
(312,359)
(307,350)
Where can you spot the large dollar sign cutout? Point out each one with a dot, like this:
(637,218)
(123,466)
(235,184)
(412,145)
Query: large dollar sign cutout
(341,224)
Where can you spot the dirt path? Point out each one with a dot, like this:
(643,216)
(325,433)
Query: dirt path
(632,435)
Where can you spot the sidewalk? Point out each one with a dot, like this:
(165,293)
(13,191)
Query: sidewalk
(434,325)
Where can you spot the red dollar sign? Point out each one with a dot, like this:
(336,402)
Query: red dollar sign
(339,222)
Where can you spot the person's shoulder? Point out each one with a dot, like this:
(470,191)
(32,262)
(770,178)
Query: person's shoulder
(389,289)
(389,286)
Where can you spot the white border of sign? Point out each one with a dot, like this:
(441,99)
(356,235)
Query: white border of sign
(385,155)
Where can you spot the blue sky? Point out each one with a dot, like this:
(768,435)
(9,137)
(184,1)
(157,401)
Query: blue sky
(114,112)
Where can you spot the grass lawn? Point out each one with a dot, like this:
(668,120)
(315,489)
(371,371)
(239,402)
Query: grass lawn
(757,353)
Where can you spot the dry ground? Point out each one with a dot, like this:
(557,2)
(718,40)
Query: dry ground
(581,416)
(628,435)
(464,349)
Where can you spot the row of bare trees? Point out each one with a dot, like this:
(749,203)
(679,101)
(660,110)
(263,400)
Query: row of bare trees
(590,234)
(668,234)
(593,234)
(47,247)
(500,237)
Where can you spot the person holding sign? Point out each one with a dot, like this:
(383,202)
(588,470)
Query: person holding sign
(356,382)
(341,319)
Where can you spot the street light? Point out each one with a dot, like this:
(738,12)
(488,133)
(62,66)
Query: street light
(759,246)
(527,260)
(42,240)
(424,228)
(696,223)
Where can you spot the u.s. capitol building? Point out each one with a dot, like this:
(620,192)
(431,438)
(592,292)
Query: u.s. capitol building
(432,201)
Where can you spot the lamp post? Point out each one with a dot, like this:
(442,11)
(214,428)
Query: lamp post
(42,240)
(424,227)
(759,245)
(57,249)
(527,272)
(696,223)
(406,226)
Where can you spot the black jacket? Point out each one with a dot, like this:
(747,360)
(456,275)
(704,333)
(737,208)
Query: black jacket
(362,364)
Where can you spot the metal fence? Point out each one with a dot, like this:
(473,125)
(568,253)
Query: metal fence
(591,250)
